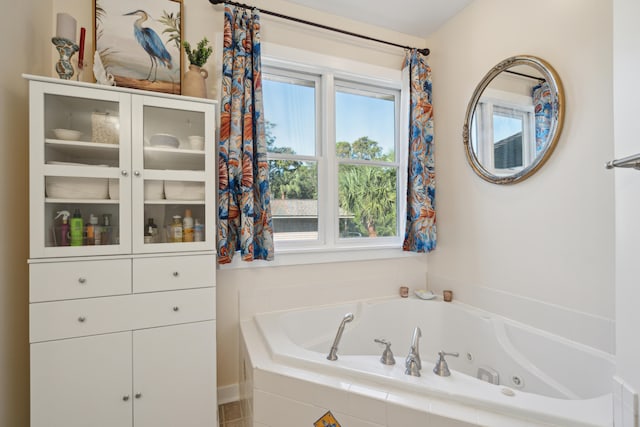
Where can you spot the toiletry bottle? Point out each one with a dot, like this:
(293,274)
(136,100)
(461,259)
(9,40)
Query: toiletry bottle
(97,233)
(91,230)
(175,229)
(152,229)
(64,228)
(198,231)
(105,238)
(187,227)
(76,226)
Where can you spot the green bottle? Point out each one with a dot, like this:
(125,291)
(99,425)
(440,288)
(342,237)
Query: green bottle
(76,227)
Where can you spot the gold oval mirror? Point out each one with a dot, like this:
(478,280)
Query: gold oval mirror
(514,119)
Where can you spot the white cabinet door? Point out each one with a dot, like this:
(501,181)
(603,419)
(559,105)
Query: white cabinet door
(171,178)
(174,376)
(82,382)
(78,172)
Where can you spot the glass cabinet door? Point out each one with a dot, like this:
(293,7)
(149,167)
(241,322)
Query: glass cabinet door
(173,174)
(80,158)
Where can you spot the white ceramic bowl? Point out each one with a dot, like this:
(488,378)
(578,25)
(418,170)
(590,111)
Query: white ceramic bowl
(184,190)
(164,140)
(67,134)
(64,187)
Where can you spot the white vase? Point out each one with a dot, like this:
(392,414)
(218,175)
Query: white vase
(194,82)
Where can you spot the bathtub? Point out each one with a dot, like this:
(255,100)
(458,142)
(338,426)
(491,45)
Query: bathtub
(507,374)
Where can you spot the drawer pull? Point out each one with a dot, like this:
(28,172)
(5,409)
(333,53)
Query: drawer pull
(125,397)
(138,395)
(176,274)
(82,280)
(81,319)
(176,308)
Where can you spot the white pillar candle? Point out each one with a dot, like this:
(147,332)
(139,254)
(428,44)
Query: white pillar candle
(66,27)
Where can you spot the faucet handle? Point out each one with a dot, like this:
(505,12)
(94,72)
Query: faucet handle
(411,365)
(387,355)
(441,368)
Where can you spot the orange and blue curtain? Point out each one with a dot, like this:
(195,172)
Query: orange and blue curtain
(420,233)
(244,214)
(543,110)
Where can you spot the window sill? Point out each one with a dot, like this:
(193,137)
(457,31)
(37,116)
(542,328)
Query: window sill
(321,256)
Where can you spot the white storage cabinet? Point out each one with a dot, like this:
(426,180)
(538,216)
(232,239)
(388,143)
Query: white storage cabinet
(122,330)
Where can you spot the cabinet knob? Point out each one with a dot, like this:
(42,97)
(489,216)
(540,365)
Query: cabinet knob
(136,173)
(176,308)
(82,319)
(138,395)
(125,397)
(82,280)
(124,173)
(176,274)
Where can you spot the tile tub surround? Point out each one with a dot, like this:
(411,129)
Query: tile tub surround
(305,394)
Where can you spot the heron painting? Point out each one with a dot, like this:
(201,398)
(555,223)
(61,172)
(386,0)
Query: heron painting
(139,42)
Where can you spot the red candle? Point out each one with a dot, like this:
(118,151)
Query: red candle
(81,52)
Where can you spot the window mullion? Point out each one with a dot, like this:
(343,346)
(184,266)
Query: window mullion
(329,204)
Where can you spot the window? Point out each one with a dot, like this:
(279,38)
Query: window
(335,166)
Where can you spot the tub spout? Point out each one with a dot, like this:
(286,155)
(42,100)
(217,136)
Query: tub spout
(334,347)
(414,350)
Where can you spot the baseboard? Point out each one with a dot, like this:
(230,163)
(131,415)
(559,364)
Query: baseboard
(228,393)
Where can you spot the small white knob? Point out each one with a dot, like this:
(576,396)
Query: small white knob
(82,319)
(125,397)
(124,173)
(176,308)
(136,173)
(138,395)
(176,274)
(81,280)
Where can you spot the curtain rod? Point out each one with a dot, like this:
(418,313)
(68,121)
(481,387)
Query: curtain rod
(424,51)
(540,79)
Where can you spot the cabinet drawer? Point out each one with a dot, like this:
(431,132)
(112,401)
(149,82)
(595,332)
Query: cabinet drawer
(171,273)
(79,279)
(74,318)
(171,308)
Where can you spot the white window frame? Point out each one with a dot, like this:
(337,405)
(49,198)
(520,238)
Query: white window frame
(329,247)
(494,99)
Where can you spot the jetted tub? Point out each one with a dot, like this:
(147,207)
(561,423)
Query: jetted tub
(542,379)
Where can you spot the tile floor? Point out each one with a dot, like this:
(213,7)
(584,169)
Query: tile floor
(232,414)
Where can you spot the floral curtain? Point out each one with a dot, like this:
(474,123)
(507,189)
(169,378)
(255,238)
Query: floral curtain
(543,111)
(244,215)
(420,234)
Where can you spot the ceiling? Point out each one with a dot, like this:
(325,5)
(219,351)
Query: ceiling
(414,17)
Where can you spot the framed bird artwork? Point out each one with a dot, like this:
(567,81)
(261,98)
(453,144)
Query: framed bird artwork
(139,43)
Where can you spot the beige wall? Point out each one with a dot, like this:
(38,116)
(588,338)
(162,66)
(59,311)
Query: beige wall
(549,238)
(23,29)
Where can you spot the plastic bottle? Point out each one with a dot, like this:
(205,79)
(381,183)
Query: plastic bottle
(76,226)
(175,229)
(64,228)
(91,229)
(187,227)
(198,231)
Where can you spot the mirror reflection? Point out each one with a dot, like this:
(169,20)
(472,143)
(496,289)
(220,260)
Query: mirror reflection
(513,120)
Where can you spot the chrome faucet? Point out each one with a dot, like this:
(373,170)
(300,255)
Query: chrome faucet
(413,362)
(334,347)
